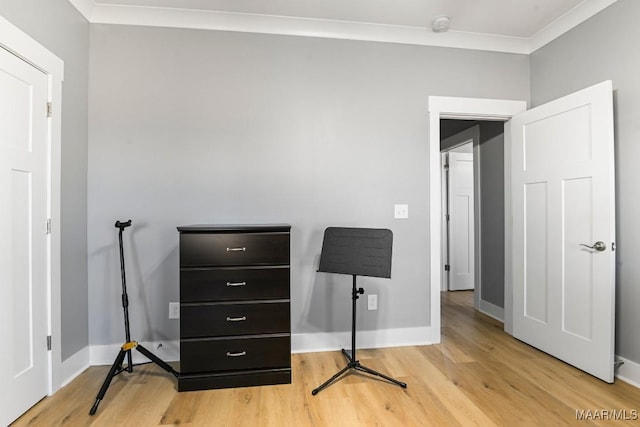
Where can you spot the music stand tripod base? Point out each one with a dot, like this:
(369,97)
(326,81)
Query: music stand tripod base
(353,363)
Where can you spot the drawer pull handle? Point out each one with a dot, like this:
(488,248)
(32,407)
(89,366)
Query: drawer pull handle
(236,319)
(242,353)
(236,283)
(242,249)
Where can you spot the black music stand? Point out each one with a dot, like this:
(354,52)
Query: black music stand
(358,252)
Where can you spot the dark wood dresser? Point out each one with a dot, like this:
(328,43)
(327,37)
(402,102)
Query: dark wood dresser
(235,319)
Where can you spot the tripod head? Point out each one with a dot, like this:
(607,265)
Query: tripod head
(123,225)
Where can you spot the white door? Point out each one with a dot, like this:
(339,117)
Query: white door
(23,242)
(461,223)
(563,199)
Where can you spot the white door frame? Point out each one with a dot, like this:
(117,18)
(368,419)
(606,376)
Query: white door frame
(22,45)
(441,107)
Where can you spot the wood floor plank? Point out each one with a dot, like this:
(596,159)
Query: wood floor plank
(477,376)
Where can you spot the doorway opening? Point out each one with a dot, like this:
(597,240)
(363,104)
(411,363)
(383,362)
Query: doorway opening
(473,211)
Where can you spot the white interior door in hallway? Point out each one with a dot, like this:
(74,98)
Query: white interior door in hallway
(563,201)
(461,221)
(24,377)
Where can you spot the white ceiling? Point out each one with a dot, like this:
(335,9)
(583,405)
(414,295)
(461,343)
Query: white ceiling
(519,26)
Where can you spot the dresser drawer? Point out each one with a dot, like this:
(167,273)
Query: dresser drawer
(206,355)
(234,284)
(229,249)
(202,320)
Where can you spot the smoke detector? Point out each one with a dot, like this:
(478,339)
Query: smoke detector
(441,24)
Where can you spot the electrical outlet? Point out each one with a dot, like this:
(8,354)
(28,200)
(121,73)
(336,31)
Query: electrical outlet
(372,302)
(400,211)
(174,310)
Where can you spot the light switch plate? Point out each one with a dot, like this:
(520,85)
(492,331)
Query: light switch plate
(372,302)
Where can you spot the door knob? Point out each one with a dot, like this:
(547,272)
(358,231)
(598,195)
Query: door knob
(598,246)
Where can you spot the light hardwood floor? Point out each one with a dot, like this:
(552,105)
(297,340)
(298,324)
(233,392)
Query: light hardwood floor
(478,375)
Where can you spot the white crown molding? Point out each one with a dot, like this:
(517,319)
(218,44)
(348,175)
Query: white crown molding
(307,27)
(99,13)
(85,7)
(566,22)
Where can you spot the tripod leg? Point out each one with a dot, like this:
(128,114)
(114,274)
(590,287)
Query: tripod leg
(348,355)
(129,362)
(378,374)
(330,380)
(155,359)
(105,385)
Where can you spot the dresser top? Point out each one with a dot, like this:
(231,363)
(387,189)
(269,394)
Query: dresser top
(203,228)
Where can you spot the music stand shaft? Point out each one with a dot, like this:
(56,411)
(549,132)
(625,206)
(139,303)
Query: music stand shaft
(354,297)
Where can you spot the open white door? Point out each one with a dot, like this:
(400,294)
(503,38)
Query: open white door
(461,222)
(563,201)
(24,375)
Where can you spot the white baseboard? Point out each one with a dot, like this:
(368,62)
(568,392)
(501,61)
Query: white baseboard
(491,310)
(628,372)
(74,366)
(169,351)
(323,341)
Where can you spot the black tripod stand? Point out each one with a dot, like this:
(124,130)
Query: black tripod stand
(353,363)
(129,345)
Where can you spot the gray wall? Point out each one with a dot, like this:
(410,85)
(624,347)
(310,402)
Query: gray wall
(60,28)
(606,48)
(491,163)
(191,126)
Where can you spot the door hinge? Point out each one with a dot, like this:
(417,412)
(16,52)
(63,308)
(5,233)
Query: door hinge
(48,342)
(448,217)
(48,225)
(49,109)
(447,267)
